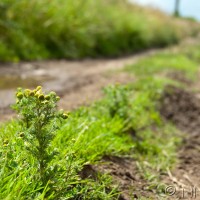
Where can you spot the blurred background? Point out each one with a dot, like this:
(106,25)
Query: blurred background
(60,43)
(187,8)
(44,29)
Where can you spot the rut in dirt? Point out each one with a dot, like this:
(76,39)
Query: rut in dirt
(182,108)
(125,175)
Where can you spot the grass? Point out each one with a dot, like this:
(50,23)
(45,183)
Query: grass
(163,63)
(101,129)
(157,142)
(191,51)
(77,29)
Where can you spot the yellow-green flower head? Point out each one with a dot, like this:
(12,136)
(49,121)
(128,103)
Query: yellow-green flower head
(37,93)
(65,116)
(32,93)
(6,141)
(27,92)
(41,97)
(21,134)
(73,140)
(38,88)
(47,97)
(57,98)
(19,95)
(52,93)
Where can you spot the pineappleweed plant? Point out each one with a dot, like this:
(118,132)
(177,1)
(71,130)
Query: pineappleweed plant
(39,120)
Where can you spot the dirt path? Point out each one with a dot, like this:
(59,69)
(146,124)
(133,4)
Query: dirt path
(77,82)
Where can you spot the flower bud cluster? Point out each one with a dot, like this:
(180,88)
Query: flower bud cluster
(37,94)
(40,97)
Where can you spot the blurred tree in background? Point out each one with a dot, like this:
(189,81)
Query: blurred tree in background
(177,5)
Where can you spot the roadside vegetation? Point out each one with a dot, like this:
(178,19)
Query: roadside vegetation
(91,132)
(35,29)
(157,152)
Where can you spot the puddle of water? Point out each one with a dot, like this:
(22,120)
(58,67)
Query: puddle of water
(13,81)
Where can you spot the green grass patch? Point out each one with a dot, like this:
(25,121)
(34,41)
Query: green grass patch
(191,51)
(163,63)
(157,141)
(156,149)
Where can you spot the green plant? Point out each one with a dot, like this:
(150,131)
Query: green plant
(165,63)
(39,120)
(118,100)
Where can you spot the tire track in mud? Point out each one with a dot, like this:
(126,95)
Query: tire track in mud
(182,107)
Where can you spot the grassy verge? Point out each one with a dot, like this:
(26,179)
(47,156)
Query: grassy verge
(98,130)
(67,29)
(157,149)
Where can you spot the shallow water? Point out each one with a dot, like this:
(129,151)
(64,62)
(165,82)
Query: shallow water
(14,81)
(188,8)
(25,75)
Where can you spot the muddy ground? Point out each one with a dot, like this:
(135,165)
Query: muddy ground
(182,108)
(124,171)
(77,82)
